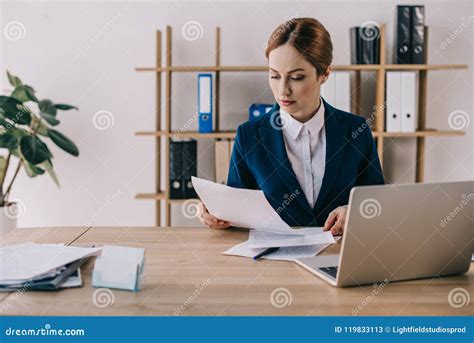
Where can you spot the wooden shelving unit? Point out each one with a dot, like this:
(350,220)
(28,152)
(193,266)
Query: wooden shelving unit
(164,132)
(231,134)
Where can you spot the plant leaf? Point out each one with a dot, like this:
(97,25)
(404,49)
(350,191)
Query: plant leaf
(32,170)
(14,110)
(47,106)
(50,118)
(14,81)
(8,141)
(63,142)
(17,132)
(65,107)
(34,150)
(24,93)
(48,165)
(42,128)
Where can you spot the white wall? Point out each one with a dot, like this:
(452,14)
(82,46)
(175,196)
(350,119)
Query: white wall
(84,53)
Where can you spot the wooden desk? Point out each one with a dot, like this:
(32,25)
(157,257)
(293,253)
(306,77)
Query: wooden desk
(187,275)
(65,235)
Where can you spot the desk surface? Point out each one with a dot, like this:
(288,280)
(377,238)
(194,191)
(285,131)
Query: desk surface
(186,274)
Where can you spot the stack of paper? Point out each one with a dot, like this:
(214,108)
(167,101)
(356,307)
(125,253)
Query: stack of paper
(249,208)
(316,236)
(44,265)
(291,247)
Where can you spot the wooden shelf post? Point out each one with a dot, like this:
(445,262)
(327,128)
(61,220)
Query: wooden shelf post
(422,91)
(168,125)
(158,128)
(379,111)
(218,78)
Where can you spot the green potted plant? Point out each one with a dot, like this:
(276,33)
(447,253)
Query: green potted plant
(26,123)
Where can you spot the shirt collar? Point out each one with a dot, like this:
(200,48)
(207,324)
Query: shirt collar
(294,126)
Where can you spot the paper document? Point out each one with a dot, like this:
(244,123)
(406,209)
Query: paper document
(31,261)
(282,254)
(263,239)
(245,208)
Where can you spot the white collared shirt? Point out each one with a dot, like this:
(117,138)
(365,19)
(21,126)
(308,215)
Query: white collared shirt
(306,148)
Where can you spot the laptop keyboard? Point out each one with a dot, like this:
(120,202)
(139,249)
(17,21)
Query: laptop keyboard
(330,270)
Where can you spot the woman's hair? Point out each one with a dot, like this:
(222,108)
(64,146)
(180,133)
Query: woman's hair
(309,37)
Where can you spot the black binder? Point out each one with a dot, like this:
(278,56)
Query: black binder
(176,170)
(371,43)
(189,168)
(355,41)
(403,47)
(376,48)
(365,45)
(183,165)
(417,34)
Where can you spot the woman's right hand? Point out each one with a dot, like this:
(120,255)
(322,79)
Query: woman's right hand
(209,220)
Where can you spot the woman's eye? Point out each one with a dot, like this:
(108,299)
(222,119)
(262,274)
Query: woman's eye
(274,77)
(297,78)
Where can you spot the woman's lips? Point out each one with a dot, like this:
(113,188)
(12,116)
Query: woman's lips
(287,103)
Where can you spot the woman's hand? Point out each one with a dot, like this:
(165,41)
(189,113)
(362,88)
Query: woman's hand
(209,220)
(336,220)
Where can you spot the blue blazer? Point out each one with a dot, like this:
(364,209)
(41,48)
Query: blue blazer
(259,161)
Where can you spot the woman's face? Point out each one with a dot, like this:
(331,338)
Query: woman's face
(294,82)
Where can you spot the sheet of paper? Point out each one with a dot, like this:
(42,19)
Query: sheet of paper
(30,261)
(263,239)
(282,254)
(292,253)
(245,208)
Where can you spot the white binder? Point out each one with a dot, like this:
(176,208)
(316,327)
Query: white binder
(394,100)
(409,110)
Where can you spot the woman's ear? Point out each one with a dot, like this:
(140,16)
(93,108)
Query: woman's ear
(325,75)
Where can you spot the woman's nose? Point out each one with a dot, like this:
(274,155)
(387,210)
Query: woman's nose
(284,88)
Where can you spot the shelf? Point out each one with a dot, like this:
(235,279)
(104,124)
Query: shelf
(424,66)
(150,196)
(231,134)
(349,67)
(188,69)
(160,196)
(424,133)
(179,201)
(188,134)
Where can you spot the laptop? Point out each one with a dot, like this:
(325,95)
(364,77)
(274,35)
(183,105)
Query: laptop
(402,232)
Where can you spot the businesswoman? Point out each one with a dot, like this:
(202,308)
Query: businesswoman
(305,155)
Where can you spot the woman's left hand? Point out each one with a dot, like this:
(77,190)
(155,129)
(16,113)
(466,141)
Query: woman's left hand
(336,220)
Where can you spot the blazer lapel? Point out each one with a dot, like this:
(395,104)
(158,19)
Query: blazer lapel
(335,141)
(272,139)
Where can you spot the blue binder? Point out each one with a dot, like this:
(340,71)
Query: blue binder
(205,102)
(256,110)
